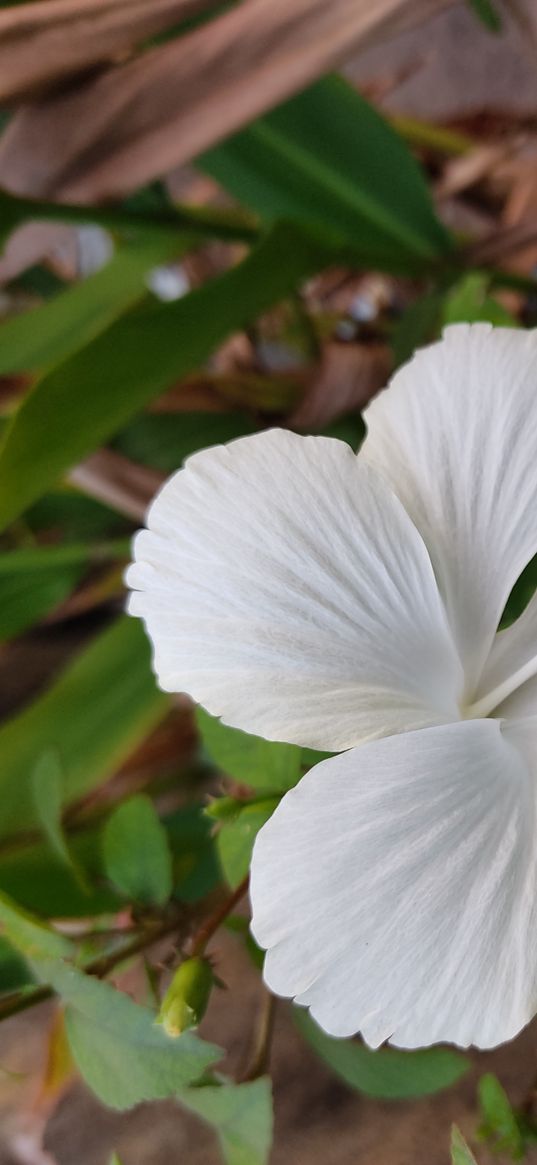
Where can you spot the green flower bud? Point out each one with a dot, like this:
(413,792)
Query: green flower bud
(186,999)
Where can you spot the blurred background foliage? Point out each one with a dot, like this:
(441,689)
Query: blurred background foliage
(206,232)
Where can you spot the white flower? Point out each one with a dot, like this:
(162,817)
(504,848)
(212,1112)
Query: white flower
(352,603)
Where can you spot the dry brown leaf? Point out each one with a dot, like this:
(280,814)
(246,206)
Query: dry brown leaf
(504,244)
(32,243)
(460,174)
(137,121)
(349,375)
(42,45)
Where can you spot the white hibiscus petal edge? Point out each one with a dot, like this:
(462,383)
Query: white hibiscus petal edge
(346,602)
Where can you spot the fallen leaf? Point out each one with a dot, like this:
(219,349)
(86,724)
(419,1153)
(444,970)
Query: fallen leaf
(348,376)
(39,47)
(135,122)
(122,484)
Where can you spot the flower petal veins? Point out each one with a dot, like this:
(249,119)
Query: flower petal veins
(285,588)
(455,435)
(395,889)
(333,601)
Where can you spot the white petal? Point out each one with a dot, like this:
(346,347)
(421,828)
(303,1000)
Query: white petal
(395,889)
(285,588)
(511,664)
(456,437)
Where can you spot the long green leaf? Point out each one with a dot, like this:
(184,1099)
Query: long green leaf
(327,158)
(34,581)
(93,716)
(83,401)
(42,337)
(170,219)
(460,1151)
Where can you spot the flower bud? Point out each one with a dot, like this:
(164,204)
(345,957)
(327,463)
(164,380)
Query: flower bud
(186,999)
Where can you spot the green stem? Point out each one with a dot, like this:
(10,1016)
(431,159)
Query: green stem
(100,967)
(199,221)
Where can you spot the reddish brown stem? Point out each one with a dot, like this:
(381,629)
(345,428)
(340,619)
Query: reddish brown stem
(215,920)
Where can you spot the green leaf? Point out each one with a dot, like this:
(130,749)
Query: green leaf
(35,580)
(487,13)
(261,764)
(417,325)
(29,935)
(10,216)
(122,1053)
(195,866)
(28,592)
(47,788)
(235,838)
(14,972)
(469,302)
(86,399)
(77,517)
(240,1114)
(388,1073)
(94,715)
(164,440)
(499,1124)
(150,217)
(137,857)
(114,1160)
(460,1153)
(32,874)
(522,592)
(326,158)
(45,335)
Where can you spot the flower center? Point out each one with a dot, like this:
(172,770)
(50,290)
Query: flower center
(487,704)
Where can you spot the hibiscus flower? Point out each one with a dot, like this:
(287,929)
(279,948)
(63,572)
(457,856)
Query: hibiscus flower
(351,603)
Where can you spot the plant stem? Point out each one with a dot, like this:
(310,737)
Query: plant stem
(99,967)
(212,923)
(263,1039)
